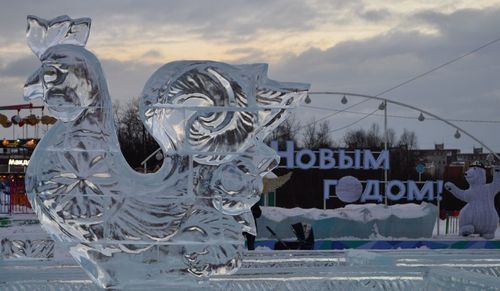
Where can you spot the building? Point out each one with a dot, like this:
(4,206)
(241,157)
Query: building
(14,159)
(435,160)
(477,155)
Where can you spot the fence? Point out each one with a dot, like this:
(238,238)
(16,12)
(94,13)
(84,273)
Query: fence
(450,221)
(13,199)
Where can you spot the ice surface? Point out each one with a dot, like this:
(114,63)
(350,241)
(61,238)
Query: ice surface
(300,270)
(184,221)
(417,269)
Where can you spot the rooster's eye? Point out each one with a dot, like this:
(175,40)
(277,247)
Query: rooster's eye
(50,75)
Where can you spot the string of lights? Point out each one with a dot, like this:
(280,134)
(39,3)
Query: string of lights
(401,116)
(421,117)
(337,111)
(344,100)
(354,122)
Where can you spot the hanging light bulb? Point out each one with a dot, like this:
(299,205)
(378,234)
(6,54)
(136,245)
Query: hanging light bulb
(308,99)
(15,119)
(457,134)
(381,106)
(421,117)
(344,100)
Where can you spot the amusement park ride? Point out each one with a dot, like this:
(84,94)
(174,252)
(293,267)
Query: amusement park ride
(23,122)
(15,152)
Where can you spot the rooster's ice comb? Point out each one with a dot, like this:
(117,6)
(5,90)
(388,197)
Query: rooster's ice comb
(42,34)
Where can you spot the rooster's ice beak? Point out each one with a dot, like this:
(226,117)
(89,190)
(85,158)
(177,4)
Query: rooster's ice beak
(33,89)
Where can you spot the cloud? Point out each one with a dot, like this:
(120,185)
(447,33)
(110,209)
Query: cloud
(133,30)
(152,54)
(126,79)
(399,50)
(209,19)
(372,65)
(375,15)
(246,55)
(463,28)
(20,68)
(408,44)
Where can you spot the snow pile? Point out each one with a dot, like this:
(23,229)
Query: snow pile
(352,211)
(353,221)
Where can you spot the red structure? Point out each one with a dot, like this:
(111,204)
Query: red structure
(15,154)
(14,158)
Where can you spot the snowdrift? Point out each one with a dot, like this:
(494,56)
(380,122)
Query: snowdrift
(367,221)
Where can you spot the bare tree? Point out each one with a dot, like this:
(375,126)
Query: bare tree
(372,138)
(408,138)
(355,138)
(309,136)
(391,137)
(317,135)
(323,139)
(288,130)
(116,113)
(359,138)
(135,142)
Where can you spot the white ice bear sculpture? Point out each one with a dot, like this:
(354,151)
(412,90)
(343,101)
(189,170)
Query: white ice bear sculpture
(479,215)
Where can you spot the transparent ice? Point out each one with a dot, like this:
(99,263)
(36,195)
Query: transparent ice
(416,269)
(182,223)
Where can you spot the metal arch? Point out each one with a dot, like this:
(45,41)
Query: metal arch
(411,107)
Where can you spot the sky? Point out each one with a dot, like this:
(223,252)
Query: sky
(355,46)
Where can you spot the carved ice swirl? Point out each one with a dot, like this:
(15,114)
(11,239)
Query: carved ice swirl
(182,223)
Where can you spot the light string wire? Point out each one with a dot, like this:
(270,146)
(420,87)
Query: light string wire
(400,85)
(404,116)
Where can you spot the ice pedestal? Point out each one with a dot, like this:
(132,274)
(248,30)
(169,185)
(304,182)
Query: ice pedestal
(158,266)
(26,248)
(298,270)
(24,239)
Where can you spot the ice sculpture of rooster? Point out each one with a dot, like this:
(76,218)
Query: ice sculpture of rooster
(177,225)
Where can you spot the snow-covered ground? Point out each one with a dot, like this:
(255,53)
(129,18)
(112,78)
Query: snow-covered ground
(265,269)
(354,212)
(22,227)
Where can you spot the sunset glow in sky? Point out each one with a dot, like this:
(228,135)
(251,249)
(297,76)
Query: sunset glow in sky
(358,46)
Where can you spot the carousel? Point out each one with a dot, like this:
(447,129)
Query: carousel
(27,125)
